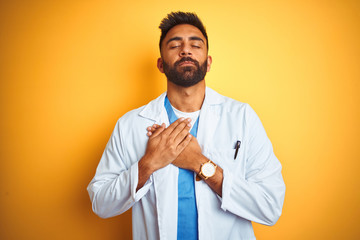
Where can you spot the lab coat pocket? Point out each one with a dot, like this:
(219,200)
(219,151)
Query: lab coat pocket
(225,159)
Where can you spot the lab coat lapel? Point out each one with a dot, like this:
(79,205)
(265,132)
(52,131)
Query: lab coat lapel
(209,118)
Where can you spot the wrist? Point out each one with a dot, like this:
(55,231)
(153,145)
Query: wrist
(144,171)
(198,162)
(147,165)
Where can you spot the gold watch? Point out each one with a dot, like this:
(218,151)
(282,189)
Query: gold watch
(207,170)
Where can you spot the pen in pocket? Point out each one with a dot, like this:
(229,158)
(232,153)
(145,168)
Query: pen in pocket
(237,147)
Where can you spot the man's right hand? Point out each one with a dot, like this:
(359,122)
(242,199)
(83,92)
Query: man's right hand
(163,147)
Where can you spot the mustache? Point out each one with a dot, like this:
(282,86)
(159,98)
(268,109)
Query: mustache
(186,59)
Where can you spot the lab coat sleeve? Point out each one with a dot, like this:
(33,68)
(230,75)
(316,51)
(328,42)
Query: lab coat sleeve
(113,189)
(260,195)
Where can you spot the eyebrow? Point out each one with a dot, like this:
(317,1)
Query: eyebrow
(197,38)
(180,38)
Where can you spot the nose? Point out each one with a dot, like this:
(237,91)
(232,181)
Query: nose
(185,51)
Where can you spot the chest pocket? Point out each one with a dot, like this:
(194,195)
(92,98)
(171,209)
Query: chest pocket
(225,159)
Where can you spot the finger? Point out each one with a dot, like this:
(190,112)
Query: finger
(184,143)
(179,128)
(149,133)
(172,126)
(150,130)
(182,134)
(158,130)
(153,127)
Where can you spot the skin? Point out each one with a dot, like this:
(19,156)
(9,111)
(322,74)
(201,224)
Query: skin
(175,145)
(163,147)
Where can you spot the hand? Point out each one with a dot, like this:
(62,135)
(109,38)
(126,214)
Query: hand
(190,158)
(165,144)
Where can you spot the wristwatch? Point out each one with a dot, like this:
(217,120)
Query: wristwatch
(207,170)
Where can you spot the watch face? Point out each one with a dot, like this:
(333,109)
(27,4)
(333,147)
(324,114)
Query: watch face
(208,169)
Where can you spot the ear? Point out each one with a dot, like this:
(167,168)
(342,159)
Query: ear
(209,62)
(160,65)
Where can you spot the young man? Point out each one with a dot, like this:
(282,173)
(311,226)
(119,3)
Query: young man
(192,164)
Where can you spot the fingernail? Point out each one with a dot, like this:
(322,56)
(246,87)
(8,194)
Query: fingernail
(189,125)
(189,119)
(182,119)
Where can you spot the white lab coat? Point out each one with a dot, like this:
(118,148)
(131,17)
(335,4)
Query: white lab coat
(252,190)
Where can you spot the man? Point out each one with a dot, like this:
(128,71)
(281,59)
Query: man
(192,164)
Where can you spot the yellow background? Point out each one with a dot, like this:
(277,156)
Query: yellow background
(70,69)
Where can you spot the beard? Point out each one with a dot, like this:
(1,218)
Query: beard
(187,76)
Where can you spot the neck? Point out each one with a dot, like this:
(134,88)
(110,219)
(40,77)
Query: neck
(188,99)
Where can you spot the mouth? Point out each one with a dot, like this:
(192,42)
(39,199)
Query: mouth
(187,63)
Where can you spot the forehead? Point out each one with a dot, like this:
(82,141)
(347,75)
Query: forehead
(184,31)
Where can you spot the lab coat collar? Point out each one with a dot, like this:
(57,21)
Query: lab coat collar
(155,109)
(212,97)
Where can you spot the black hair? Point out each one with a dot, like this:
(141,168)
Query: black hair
(176,18)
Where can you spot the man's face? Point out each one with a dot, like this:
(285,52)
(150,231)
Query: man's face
(184,58)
